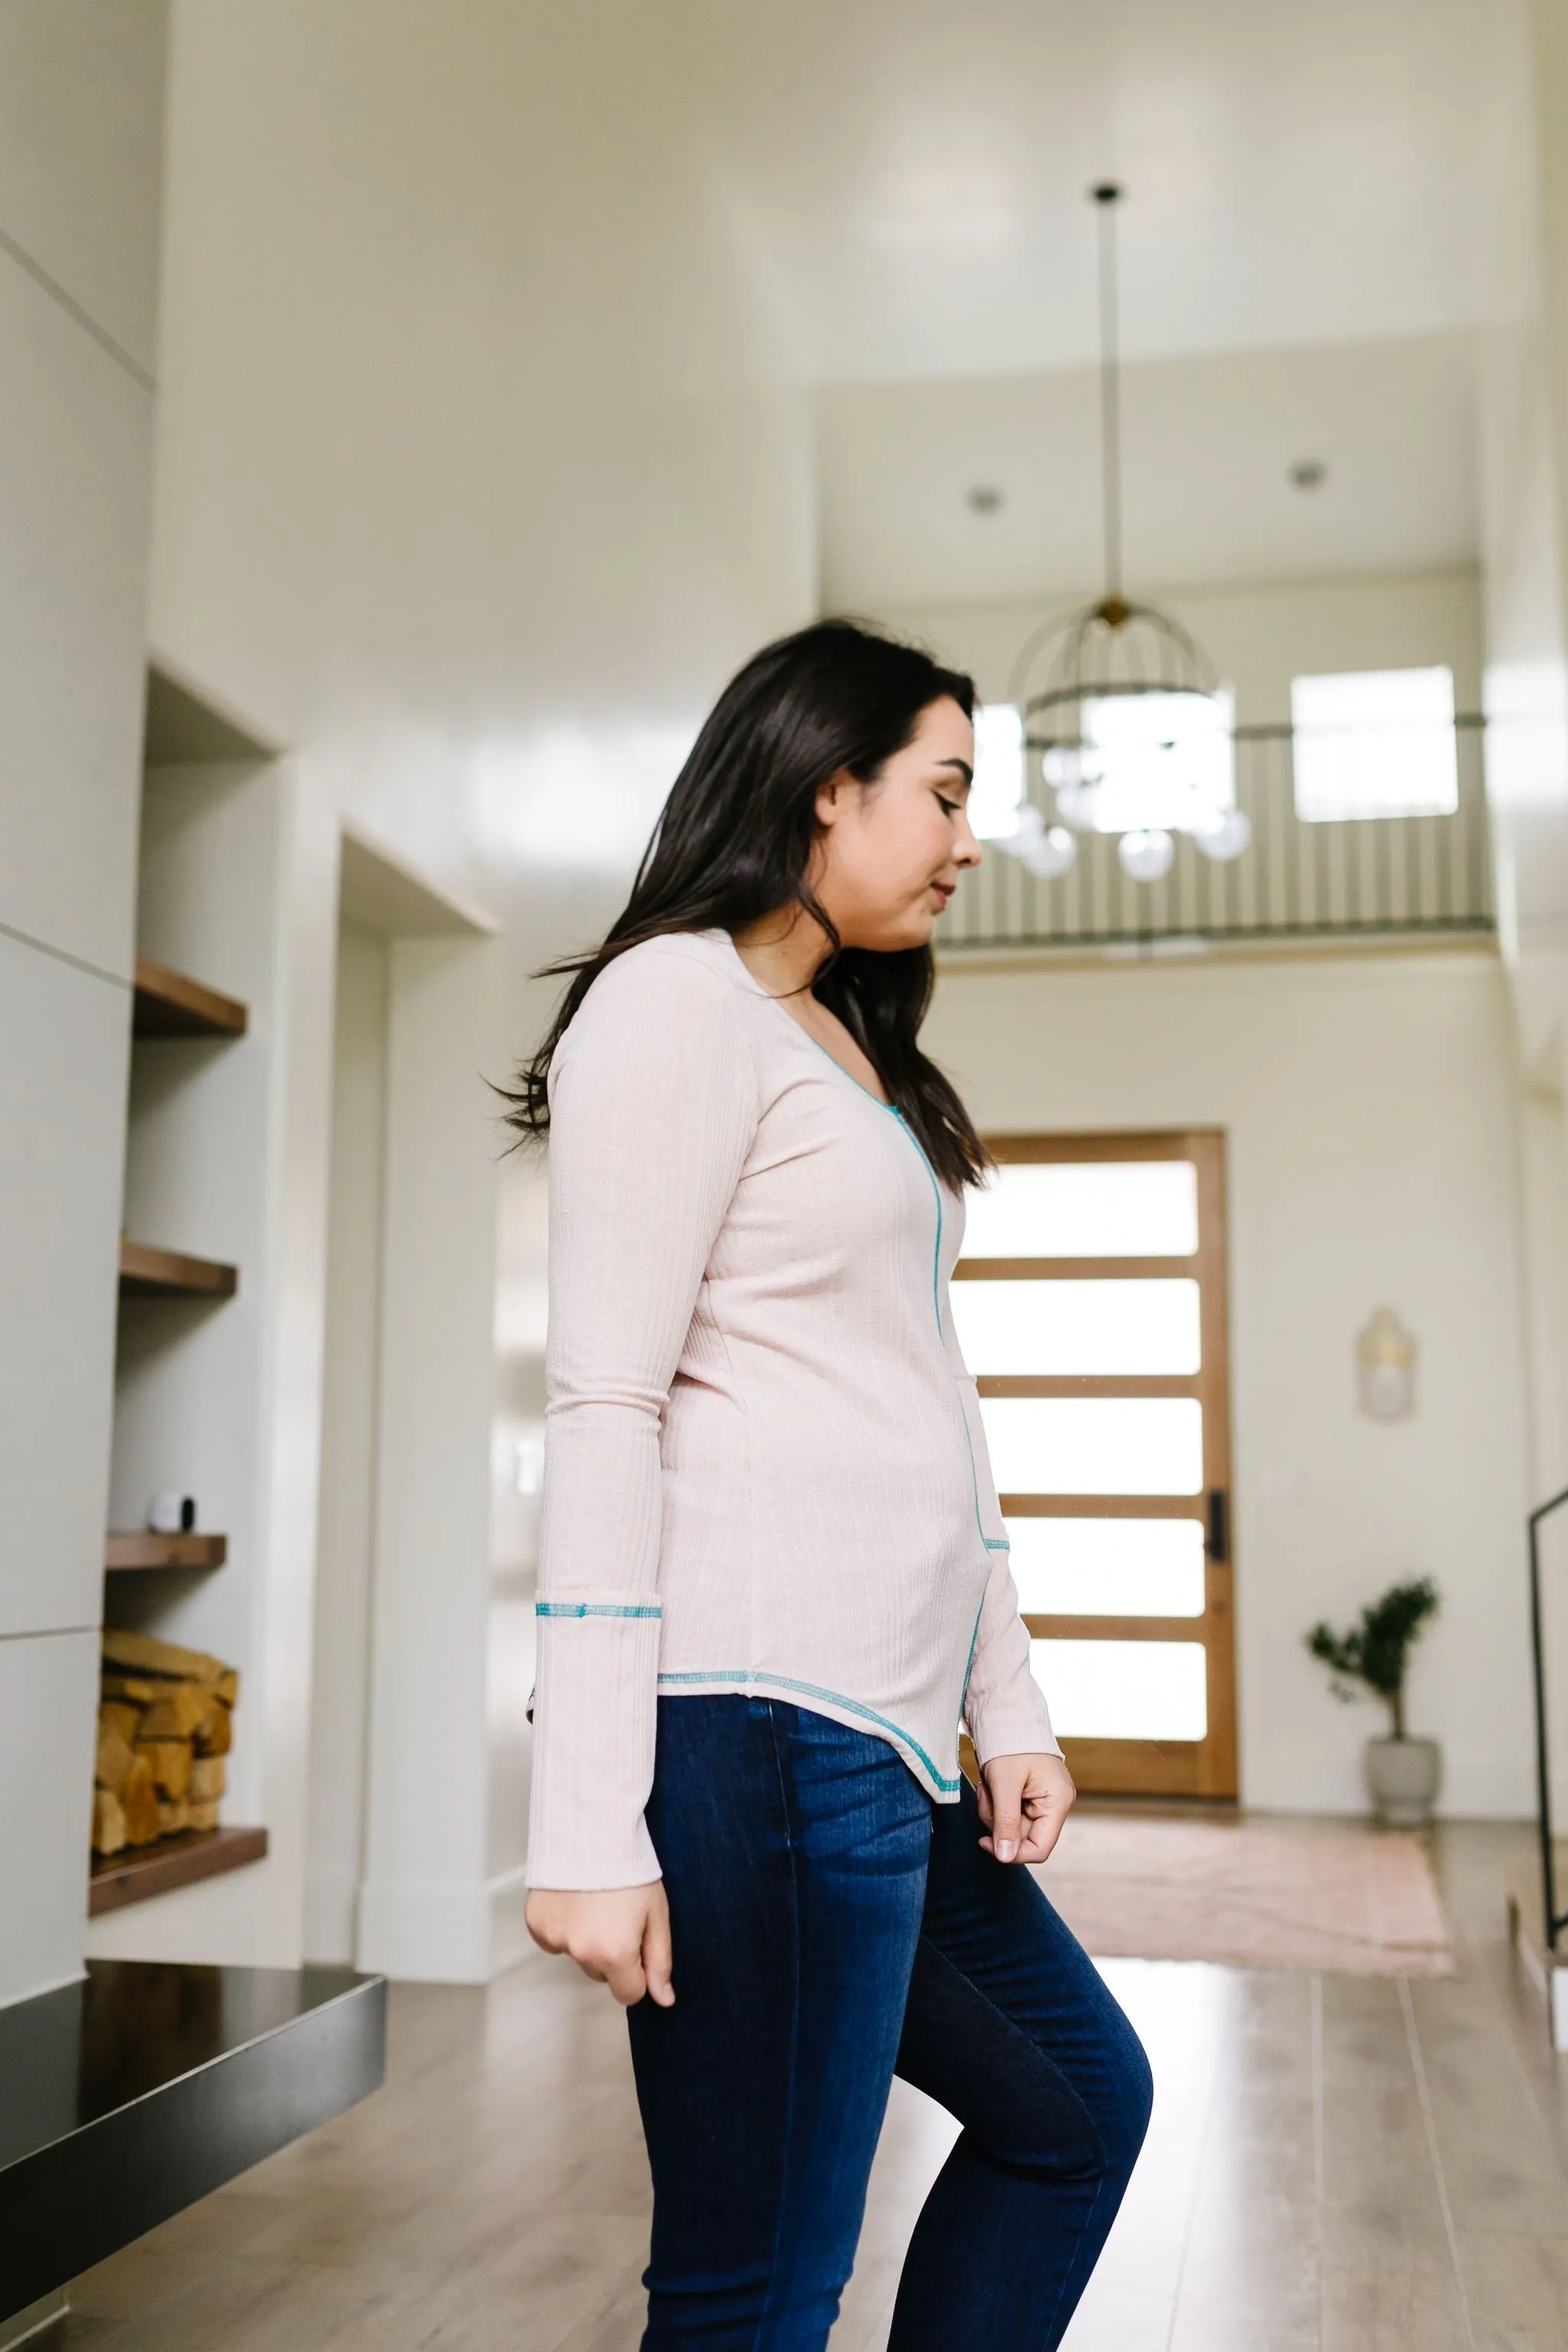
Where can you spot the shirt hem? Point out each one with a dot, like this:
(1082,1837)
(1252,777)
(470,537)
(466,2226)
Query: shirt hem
(851,1712)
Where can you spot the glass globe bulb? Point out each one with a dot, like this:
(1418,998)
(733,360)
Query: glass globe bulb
(1054,856)
(1225,837)
(1077,805)
(1147,856)
(1065,766)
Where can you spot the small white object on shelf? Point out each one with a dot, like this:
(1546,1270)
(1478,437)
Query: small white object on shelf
(171,1515)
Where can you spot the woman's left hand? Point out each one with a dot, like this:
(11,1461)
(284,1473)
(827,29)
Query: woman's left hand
(1024,1800)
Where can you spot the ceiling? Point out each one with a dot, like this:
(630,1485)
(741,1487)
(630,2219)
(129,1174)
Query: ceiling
(1322,200)
(1209,444)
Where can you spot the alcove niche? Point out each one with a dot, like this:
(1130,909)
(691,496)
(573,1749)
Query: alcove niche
(201,1134)
(134,2091)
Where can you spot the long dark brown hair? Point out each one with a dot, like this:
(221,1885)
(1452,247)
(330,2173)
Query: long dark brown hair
(734,839)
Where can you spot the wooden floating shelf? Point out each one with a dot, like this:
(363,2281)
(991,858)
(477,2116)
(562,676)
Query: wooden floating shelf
(163,1274)
(137,1550)
(169,1005)
(137,1874)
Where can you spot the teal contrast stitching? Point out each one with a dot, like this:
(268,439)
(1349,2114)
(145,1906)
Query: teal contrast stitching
(892,1109)
(991,1543)
(815,1690)
(589,1609)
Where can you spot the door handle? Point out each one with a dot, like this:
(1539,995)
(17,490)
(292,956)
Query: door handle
(1218,1524)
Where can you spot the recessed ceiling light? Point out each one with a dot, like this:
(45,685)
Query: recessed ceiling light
(985,499)
(1308,474)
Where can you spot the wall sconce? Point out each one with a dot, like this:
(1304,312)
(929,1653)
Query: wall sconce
(1386,1368)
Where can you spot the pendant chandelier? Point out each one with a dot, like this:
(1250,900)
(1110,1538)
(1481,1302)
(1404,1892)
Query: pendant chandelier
(1131,727)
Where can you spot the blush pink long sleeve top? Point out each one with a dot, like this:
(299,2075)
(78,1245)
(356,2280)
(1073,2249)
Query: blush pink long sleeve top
(764,1468)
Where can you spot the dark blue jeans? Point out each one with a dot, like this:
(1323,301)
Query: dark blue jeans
(833,1928)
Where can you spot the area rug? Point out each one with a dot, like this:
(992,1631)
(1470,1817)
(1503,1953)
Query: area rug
(1271,1894)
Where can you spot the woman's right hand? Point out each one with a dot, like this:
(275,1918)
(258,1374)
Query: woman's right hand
(618,1934)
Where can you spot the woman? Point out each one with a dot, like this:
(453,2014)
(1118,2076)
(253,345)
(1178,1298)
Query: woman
(774,1571)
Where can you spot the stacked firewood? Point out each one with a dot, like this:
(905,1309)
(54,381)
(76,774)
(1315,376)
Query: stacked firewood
(165,1728)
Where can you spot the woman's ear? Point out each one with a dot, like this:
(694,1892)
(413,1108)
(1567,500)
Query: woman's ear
(831,797)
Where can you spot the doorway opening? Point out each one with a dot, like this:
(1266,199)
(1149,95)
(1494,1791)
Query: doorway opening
(398,1034)
(1090,1307)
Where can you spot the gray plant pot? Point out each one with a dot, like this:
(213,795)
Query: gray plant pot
(1402,1776)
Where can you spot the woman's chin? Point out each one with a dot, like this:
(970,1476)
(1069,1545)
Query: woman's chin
(904,932)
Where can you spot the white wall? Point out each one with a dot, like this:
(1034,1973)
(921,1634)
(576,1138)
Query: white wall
(1258,634)
(427,1900)
(1368,1107)
(478,471)
(346,1521)
(1522,427)
(1526,668)
(80,141)
(523,1303)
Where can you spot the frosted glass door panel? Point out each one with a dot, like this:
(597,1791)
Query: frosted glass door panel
(1080,1208)
(1124,1690)
(1107,1567)
(1095,1446)
(1078,1327)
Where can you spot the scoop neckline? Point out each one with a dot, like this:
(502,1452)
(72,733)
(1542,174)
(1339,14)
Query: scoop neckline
(751,981)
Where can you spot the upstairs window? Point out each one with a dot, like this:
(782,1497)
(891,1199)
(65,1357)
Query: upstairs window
(1374,742)
(999,793)
(1160,760)
(1145,760)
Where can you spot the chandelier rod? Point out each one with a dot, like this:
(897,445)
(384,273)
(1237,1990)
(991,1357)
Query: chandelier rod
(1107,195)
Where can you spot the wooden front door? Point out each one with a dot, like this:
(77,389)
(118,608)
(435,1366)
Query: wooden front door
(1090,1305)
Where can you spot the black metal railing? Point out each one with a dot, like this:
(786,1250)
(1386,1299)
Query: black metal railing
(1555,1920)
(1297,879)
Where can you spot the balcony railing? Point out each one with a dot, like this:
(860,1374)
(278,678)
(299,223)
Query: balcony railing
(1297,880)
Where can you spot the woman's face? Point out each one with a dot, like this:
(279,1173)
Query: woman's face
(890,853)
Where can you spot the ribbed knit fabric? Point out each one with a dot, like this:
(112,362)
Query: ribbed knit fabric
(765,1468)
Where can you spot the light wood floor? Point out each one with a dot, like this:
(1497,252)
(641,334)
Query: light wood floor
(1336,2165)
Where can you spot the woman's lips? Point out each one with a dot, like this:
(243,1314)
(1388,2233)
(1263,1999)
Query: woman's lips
(943,891)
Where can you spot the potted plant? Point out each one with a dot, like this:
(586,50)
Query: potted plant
(1402,1773)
